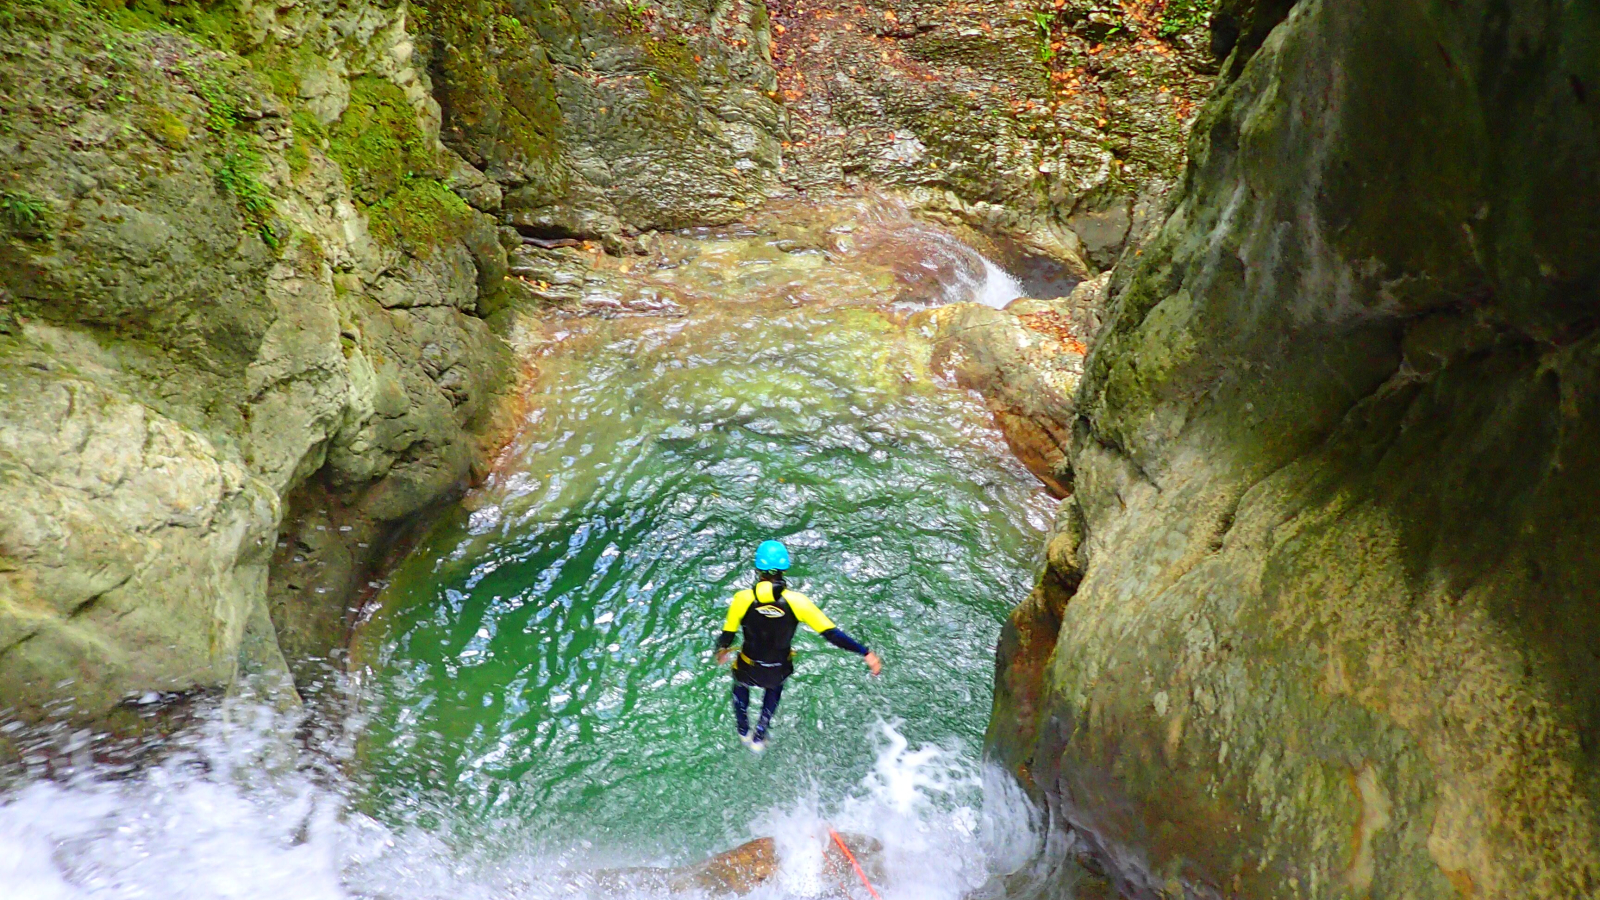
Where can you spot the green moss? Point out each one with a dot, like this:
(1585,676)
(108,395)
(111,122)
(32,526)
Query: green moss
(214,23)
(629,16)
(497,85)
(419,216)
(1179,16)
(240,168)
(24,215)
(392,168)
(378,142)
(308,133)
(222,110)
(311,250)
(281,67)
(510,31)
(240,175)
(672,56)
(165,126)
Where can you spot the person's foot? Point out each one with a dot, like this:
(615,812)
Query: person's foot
(758,745)
(746,739)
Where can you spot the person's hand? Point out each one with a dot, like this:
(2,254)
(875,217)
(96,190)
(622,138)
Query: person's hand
(874,663)
(722,655)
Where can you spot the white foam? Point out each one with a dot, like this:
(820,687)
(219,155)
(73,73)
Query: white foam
(224,823)
(482,521)
(999,287)
(948,826)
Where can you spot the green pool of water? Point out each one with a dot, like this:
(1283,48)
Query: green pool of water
(540,666)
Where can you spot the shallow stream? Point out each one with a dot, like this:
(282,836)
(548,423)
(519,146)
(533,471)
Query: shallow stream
(534,691)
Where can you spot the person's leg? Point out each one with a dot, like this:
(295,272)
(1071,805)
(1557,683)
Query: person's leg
(769,705)
(741,708)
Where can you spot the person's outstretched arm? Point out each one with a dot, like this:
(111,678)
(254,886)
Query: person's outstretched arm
(813,618)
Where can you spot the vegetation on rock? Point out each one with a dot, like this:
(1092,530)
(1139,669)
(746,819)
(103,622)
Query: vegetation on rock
(187,270)
(1318,616)
(420,215)
(24,215)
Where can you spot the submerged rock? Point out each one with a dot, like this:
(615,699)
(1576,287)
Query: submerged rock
(1319,618)
(758,864)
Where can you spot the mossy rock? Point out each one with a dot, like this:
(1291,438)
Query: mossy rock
(215,23)
(1334,635)
(151,166)
(378,142)
(419,216)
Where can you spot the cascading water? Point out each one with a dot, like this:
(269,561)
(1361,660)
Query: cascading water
(536,706)
(999,287)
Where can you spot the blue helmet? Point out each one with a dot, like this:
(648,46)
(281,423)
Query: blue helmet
(772,556)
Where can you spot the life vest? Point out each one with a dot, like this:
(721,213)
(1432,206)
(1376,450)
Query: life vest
(769,626)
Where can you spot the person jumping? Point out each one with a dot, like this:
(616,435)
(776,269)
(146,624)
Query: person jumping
(765,659)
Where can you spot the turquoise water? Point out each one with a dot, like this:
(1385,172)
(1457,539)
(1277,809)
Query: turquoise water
(540,674)
(534,697)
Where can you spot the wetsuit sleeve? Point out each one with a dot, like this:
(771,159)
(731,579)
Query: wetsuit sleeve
(838,638)
(737,607)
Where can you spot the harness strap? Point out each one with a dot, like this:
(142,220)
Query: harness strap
(757,662)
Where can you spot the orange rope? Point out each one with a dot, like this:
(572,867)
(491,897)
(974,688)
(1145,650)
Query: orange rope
(852,857)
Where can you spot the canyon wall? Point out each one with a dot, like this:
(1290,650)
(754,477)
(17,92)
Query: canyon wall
(1318,618)
(1058,124)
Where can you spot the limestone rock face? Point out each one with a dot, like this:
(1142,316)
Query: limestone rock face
(1027,362)
(1062,123)
(123,529)
(1319,619)
(597,120)
(231,266)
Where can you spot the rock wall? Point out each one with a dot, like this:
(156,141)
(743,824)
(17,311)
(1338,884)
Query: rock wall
(1059,123)
(231,264)
(602,119)
(1319,619)
(253,310)
(1027,362)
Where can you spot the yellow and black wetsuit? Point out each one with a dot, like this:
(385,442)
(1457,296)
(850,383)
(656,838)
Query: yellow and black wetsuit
(769,615)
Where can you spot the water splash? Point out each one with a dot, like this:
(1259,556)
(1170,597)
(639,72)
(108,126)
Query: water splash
(215,822)
(949,827)
(999,288)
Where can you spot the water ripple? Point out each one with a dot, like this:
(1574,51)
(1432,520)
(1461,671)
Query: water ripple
(547,662)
